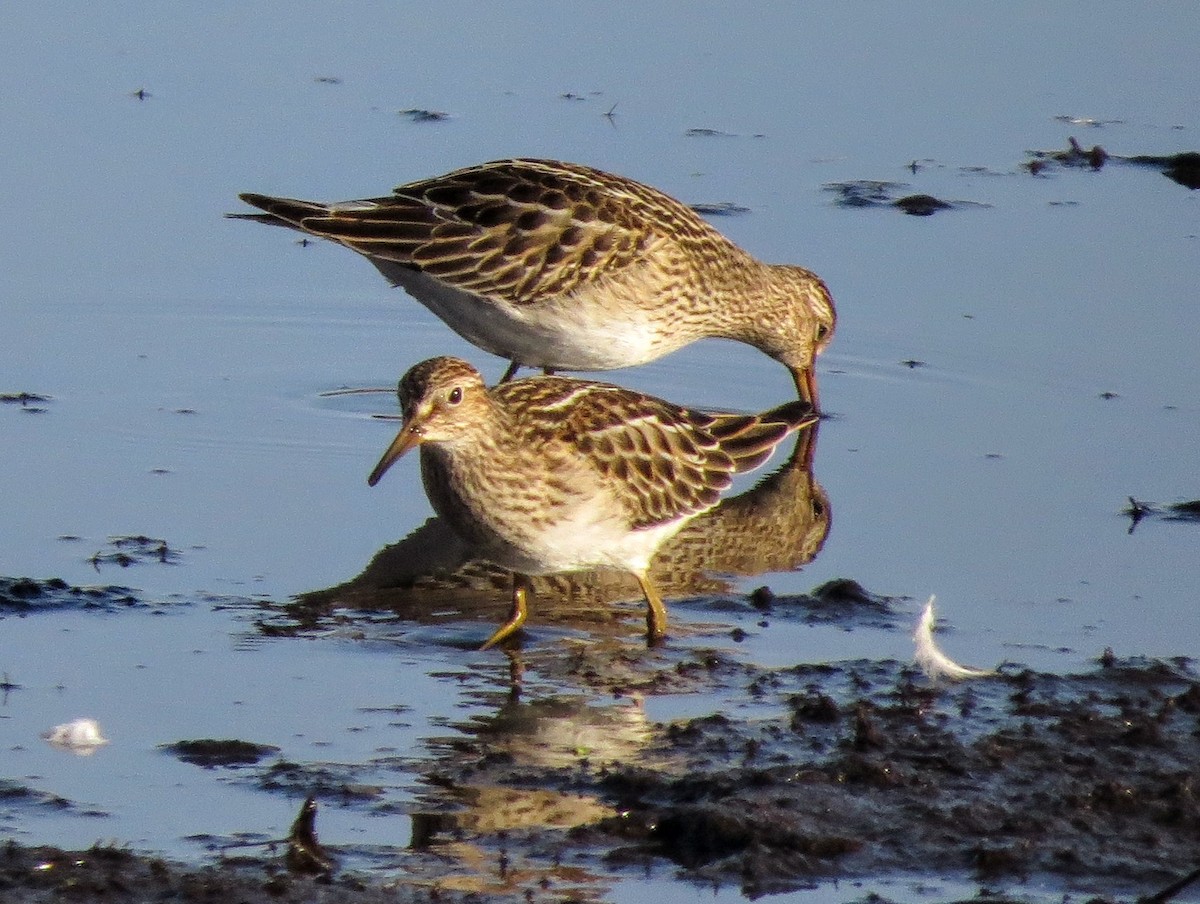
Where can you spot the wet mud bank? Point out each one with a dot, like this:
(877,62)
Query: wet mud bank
(31,875)
(589,760)
(842,770)
(1086,782)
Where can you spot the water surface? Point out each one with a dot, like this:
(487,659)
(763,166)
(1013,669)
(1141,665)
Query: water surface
(1049,323)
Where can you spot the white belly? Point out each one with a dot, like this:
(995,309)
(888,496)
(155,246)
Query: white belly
(575,547)
(521,520)
(580,332)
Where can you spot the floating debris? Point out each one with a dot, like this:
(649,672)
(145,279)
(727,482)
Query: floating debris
(327,80)
(1075,155)
(1185,511)
(211,753)
(876,193)
(1136,512)
(842,601)
(1174,511)
(709,133)
(24,595)
(81,737)
(1183,168)
(922,205)
(720,209)
(417,114)
(1088,121)
(933,662)
(355,390)
(134,550)
(140,94)
(30,402)
(22,398)
(863,192)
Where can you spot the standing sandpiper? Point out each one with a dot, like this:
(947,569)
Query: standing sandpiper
(564,267)
(549,474)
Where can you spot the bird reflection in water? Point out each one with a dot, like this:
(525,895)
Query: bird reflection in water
(430,576)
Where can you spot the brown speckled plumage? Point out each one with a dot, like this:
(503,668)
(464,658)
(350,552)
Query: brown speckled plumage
(562,266)
(550,474)
(431,575)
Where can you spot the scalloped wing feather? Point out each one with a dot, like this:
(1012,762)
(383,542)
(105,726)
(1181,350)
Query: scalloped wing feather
(513,230)
(661,452)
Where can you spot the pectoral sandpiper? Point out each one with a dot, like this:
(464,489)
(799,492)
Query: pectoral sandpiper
(550,474)
(564,267)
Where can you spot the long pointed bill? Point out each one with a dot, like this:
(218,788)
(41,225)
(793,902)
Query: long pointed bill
(408,437)
(806,385)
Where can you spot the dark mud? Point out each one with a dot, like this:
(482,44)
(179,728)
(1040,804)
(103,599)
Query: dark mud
(1138,509)
(33,875)
(137,549)
(720,209)
(1085,783)
(1182,168)
(211,753)
(29,402)
(24,595)
(416,114)
(862,769)
(872,193)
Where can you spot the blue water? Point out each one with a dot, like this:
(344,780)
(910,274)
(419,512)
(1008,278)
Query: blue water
(184,354)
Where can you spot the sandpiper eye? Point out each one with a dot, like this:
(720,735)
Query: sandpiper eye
(455,395)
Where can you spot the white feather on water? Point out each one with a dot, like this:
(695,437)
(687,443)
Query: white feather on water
(933,662)
(81,737)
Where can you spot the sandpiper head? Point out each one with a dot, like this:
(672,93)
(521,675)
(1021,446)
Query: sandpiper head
(435,397)
(825,314)
(802,328)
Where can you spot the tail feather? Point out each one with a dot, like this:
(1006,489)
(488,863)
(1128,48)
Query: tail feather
(280,211)
(749,439)
(368,229)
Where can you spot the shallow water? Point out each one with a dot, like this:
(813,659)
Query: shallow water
(184,355)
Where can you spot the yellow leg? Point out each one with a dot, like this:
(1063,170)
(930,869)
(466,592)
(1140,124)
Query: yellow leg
(656,612)
(519,611)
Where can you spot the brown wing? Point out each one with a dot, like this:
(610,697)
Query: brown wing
(512,229)
(664,463)
(749,439)
(671,461)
